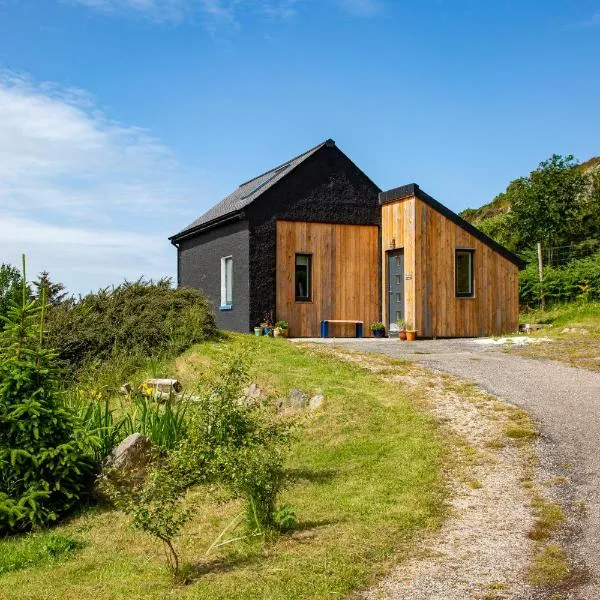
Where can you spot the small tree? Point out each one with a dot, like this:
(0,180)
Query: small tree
(55,292)
(44,454)
(545,204)
(10,288)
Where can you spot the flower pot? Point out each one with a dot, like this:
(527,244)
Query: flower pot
(411,336)
(402,335)
(379,333)
(268,331)
(258,331)
(284,332)
(276,332)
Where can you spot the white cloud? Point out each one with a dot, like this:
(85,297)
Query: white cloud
(89,199)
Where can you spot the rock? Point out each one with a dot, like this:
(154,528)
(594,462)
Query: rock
(297,399)
(133,453)
(126,389)
(316,402)
(567,330)
(583,331)
(166,386)
(127,465)
(253,392)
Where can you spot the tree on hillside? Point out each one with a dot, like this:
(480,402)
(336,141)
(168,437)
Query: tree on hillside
(55,292)
(545,204)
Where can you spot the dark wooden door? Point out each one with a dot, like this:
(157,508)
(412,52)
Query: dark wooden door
(395,287)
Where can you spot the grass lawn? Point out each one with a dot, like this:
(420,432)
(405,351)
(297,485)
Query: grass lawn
(365,479)
(574,348)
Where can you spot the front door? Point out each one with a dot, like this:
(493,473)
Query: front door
(395,287)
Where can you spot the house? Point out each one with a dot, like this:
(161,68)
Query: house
(316,239)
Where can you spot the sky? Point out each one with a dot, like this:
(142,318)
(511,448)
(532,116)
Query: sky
(121,121)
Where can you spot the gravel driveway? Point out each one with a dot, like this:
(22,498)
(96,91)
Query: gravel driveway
(563,400)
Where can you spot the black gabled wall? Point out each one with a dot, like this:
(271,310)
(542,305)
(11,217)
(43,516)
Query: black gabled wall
(327,188)
(199,266)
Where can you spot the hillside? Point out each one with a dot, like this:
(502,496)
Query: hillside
(501,203)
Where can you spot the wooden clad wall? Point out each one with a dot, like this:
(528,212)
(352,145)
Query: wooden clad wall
(429,240)
(398,231)
(345,275)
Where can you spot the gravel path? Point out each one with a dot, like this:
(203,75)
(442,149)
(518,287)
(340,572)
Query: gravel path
(565,403)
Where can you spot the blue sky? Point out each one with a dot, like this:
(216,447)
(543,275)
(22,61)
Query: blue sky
(123,120)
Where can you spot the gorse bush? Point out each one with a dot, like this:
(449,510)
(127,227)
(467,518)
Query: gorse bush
(141,318)
(45,461)
(577,280)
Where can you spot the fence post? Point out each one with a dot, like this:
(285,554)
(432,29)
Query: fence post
(541,271)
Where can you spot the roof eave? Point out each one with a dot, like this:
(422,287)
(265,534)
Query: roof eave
(237,215)
(412,189)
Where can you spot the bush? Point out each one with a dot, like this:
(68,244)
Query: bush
(44,455)
(238,442)
(577,280)
(141,318)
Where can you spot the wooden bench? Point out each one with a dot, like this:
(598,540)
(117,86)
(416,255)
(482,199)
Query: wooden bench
(325,326)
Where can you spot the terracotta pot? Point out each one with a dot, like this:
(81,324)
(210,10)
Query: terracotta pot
(411,336)
(284,332)
(402,335)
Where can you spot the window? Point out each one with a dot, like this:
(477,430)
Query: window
(226,282)
(303,285)
(463,269)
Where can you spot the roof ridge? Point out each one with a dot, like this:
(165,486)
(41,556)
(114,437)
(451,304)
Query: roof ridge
(288,162)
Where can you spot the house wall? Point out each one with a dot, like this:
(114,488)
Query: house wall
(431,303)
(344,275)
(398,231)
(326,188)
(199,265)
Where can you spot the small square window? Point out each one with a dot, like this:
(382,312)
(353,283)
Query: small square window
(398,279)
(464,275)
(398,315)
(303,278)
(398,298)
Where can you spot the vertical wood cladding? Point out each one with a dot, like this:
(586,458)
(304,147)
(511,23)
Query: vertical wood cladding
(344,275)
(431,303)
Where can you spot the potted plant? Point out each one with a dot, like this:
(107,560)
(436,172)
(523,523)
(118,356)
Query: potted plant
(401,324)
(258,330)
(411,334)
(378,329)
(281,329)
(267,324)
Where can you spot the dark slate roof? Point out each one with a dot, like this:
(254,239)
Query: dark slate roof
(412,189)
(246,193)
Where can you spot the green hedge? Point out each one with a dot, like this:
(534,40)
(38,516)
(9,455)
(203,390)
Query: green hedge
(145,318)
(579,279)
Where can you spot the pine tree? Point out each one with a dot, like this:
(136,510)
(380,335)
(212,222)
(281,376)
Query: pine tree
(44,457)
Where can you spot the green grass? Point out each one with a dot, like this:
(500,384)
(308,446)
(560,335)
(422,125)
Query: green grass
(35,549)
(365,481)
(574,348)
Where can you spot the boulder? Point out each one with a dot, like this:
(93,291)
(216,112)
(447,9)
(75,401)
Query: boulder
(253,392)
(133,453)
(316,402)
(297,399)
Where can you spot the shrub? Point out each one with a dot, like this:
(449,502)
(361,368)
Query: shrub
(142,318)
(44,454)
(238,442)
(577,280)
(155,507)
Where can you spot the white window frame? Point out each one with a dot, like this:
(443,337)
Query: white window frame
(226,303)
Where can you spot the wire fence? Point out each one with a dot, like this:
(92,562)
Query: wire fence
(558,256)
